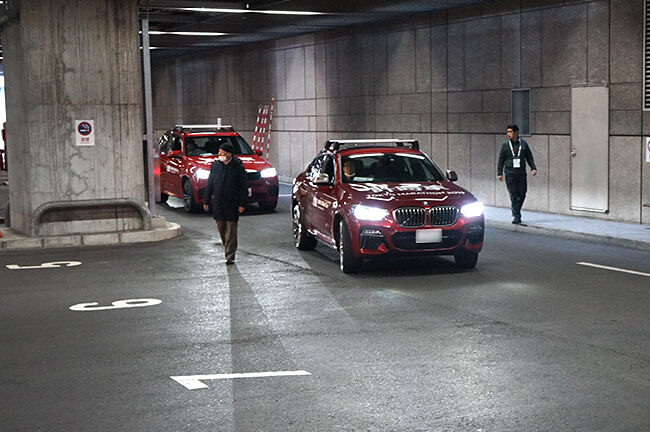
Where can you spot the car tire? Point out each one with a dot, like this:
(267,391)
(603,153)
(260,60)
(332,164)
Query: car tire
(301,238)
(189,204)
(268,206)
(347,260)
(466,260)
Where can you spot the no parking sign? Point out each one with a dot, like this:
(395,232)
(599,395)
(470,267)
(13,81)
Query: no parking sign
(85,132)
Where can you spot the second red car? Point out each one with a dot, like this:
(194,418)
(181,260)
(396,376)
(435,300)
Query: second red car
(186,153)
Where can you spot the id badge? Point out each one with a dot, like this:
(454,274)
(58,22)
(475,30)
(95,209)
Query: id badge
(516,163)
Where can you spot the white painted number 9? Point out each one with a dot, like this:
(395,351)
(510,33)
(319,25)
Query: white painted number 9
(119,304)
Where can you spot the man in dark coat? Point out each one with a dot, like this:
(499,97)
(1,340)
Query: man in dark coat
(513,157)
(227,193)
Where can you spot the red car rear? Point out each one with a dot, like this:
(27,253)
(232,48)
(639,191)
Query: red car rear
(186,153)
(397,203)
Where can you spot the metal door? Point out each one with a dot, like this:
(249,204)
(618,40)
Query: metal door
(590,149)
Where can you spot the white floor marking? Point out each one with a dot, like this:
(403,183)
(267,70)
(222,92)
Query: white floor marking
(118,304)
(193,382)
(55,264)
(613,269)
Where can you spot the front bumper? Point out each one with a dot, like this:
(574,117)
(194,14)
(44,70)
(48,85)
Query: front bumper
(264,190)
(368,240)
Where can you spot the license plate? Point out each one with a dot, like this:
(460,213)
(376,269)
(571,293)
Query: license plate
(250,192)
(428,236)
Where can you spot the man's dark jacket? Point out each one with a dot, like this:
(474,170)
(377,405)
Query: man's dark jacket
(506,157)
(227,189)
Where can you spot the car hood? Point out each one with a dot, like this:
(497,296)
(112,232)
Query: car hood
(250,162)
(392,195)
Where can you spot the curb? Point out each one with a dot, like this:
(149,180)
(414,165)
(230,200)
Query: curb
(570,235)
(160,231)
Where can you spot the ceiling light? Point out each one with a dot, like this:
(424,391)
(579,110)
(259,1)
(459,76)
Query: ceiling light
(186,33)
(259,11)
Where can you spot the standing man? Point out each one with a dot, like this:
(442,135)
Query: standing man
(227,192)
(514,155)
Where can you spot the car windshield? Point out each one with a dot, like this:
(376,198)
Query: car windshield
(388,167)
(209,145)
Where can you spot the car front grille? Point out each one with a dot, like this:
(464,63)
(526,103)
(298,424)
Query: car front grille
(410,216)
(414,217)
(443,215)
(253,175)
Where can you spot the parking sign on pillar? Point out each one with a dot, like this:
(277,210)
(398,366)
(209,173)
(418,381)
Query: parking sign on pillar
(85,132)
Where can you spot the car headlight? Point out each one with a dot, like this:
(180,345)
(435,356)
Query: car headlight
(472,209)
(268,172)
(363,212)
(202,173)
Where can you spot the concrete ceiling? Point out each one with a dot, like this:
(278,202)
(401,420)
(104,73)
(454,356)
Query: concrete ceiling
(244,22)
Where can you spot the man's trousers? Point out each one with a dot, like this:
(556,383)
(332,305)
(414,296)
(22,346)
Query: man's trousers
(228,233)
(517,188)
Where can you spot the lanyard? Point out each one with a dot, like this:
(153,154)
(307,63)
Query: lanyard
(512,150)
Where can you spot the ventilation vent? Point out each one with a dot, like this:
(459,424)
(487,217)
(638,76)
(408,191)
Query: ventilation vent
(646,60)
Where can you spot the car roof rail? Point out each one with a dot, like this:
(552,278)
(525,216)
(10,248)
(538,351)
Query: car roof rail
(336,144)
(202,127)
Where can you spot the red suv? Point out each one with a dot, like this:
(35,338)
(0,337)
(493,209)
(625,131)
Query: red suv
(186,153)
(395,201)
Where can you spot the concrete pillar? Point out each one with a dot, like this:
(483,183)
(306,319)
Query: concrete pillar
(66,61)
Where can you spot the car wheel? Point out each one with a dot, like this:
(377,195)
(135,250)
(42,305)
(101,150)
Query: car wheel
(268,206)
(188,198)
(349,264)
(301,238)
(466,260)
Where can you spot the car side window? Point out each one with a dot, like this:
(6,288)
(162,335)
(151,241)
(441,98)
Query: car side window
(163,144)
(175,143)
(315,166)
(328,166)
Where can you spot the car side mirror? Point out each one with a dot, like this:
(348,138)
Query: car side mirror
(175,154)
(258,152)
(322,179)
(452,176)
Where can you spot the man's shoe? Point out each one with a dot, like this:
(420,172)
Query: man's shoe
(230,262)
(516,221)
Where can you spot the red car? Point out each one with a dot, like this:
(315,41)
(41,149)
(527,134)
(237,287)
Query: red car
(396,202)
(186,153)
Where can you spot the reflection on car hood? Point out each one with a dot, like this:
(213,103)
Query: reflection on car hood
(250,162)
(426,193)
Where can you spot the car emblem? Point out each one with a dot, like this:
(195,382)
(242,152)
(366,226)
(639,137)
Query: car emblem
(426,203)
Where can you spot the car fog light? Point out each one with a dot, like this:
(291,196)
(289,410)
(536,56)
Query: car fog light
(472,209)
(371,238)
(268,172)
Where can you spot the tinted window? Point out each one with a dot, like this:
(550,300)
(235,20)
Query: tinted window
(315,166)
(393,167)
(175,143)
(209,145)
(163,144)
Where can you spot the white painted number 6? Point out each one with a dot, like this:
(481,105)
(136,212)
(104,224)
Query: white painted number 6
(119,304)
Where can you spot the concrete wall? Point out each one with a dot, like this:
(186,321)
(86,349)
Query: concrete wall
(445,79)
(65,61)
